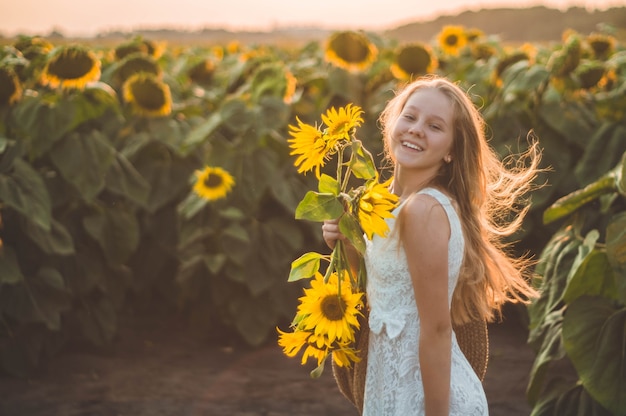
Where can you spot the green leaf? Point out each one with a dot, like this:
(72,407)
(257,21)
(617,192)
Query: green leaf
(57,240)
(49,117)
(594,336)
(554,268)
(83,160)
(201,132)
(167,174)
(10,272)
(349,227)
(603,152)
(305,266)
(236,115)
(98,320)
(568,401)
(570,203)
(593,276)
(361,163)
(123,179)
(318,371)
(571,119)
(24,191)
(115,230)
(616,252)
(235,241)
(215,262)
(50,296)
(328,185)
(252,317)
(41,120)
(620,179)
(522,79)
(551,349)
(191,205)
(319,207)
(271,114)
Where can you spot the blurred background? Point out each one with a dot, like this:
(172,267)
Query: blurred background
(147,193)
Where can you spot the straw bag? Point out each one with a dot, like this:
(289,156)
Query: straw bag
(472,337)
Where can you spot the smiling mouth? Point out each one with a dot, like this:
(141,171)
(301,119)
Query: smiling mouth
(412,146)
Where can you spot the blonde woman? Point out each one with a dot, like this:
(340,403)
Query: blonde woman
(443,261)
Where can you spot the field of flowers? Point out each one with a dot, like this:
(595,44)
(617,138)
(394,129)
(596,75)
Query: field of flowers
(149,174)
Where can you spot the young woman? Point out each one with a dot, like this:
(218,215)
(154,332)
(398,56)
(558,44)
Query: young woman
(443,261)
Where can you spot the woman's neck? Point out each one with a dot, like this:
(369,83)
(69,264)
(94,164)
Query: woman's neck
(406,185)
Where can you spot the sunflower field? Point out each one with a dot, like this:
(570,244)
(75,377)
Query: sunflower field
(146,175)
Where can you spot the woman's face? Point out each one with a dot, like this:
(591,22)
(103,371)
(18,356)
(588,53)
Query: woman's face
(421,137)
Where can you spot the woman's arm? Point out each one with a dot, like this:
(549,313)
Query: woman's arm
(425,236)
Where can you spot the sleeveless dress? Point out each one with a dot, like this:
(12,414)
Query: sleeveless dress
(393,385)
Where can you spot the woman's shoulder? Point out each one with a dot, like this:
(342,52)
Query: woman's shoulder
(426,208)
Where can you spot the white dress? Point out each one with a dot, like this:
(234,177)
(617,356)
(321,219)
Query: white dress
(393,385)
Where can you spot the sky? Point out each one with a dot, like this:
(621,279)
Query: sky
(90,17)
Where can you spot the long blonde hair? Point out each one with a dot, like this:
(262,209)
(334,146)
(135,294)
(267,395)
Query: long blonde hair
(490,196)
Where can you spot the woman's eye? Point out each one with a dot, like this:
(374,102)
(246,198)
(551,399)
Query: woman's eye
(435,127)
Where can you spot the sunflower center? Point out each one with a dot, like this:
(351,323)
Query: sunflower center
(333,307)
(350,48)
(452,40)
(71,65)
(148,94)
(213,181)
(414,60)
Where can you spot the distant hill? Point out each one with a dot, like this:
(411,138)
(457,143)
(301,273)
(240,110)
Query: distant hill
(534,24)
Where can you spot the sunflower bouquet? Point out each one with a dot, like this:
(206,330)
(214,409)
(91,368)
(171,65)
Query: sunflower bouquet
(327,317)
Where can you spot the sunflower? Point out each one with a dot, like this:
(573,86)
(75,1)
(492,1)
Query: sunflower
(374,205)
(505,63)
(134,64)
(290,87)
(564,61)
(292,342)
(136,45)
(452,39)
(590,73)
(350,50)
(32,47)
(311,146)
(213,183)
(147,95)
(325,322)
(345,354)
(601,45)
(482,50)
(71,67)
(10,87)
(330,309)
(414,59)
(474,34)
(202,72)
(275,80)
(341,123)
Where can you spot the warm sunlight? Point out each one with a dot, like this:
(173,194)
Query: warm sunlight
(35,16)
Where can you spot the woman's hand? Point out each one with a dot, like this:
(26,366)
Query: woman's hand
(331,233)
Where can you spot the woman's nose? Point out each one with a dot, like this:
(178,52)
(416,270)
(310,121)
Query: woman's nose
(416,128)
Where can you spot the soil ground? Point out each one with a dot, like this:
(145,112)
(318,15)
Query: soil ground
(159,369)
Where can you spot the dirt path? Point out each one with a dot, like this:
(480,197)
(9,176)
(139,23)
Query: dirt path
(161,371)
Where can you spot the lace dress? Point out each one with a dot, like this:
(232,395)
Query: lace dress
(393,386)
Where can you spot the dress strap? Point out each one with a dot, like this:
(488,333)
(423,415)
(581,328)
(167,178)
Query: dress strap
(446,203)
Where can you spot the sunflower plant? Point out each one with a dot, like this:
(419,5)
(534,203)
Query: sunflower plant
(326,319)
